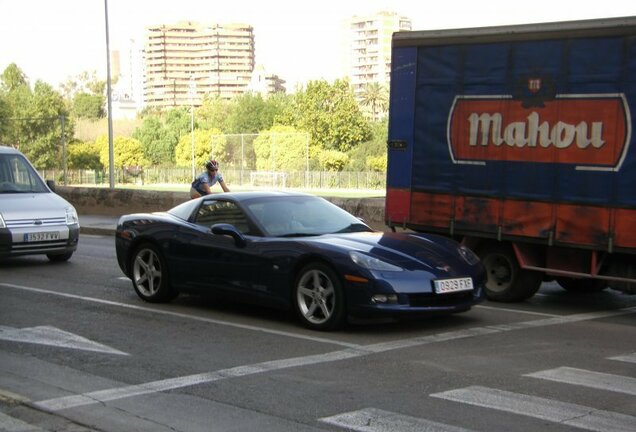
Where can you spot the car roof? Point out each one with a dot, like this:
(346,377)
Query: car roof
(8,150)
(248,195)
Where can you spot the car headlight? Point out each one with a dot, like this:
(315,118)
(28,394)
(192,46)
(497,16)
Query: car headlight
(71,216)
(469,256)
(371,263)
(2,224)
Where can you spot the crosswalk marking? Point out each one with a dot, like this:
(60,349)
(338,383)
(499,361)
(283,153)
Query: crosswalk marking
(630,358)
(546,409)
(376,420)
(581,377)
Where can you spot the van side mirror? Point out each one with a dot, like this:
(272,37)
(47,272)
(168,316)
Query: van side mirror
(51,184)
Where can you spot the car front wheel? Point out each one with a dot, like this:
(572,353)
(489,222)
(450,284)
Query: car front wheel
(318,298)
(150,275)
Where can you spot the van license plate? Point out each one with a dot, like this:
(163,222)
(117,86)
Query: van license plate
(42,236)
(443,286)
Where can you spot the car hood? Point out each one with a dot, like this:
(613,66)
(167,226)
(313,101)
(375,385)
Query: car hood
(409,250)
(32,205)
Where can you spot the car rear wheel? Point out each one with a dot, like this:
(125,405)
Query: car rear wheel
(59,257)
(318,298)
(150,275)
(507,282)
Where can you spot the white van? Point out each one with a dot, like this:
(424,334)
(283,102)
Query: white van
(33,219)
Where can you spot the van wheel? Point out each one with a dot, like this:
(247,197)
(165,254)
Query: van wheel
(57,258)
(507,282)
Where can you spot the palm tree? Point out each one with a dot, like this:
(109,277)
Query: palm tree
(376,97)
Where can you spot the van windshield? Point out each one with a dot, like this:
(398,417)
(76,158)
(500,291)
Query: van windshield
(18,176)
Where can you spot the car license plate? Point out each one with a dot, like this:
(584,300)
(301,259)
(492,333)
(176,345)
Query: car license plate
(42,236)
(443,286)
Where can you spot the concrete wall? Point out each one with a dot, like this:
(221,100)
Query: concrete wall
(116,202)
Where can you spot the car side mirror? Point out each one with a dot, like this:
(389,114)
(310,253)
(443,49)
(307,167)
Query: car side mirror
(229,230)
(51,184)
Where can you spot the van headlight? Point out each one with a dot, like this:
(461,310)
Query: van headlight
(371,263)
(71,216)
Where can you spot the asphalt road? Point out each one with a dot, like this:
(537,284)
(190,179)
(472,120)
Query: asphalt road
(79,351)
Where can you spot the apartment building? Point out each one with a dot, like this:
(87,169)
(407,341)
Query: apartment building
(186,61)
(370,48)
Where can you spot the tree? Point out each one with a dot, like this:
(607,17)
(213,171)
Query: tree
(82,155)
(13,78)
(333,160)
(251,113)
(85,95)
(157,146)
(281,148)
(127,152)
(373,148)
(213,113)
(42,142)
(89,106)
(330,113)
(375,96)
(208,143)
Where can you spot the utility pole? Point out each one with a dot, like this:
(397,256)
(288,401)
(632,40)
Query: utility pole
(63,149)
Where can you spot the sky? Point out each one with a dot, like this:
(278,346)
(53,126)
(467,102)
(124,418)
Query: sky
(295,39)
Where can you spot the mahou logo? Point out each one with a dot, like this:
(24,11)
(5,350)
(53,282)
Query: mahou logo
(589,131)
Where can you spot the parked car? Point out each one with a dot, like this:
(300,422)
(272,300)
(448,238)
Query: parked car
(297,251)
(33,218)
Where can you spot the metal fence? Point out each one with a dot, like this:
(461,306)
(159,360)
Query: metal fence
(237,177)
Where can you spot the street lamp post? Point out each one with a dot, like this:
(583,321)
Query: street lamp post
(111,153)
(193,87)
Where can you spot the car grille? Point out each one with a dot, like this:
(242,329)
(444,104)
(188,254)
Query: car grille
(38,246)
(30,222)
(431,299)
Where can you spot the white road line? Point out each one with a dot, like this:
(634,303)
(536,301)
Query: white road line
(585,378)
(352,351)
(376,420)
(494,308)
(630,358)
(185,316)
(545,409)
(186,381)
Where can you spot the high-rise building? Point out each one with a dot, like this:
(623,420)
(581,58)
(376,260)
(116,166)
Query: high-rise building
(265,83)
(186,61)
(370,48)
(127,70)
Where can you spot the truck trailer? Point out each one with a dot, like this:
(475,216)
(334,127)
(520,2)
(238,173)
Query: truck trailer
(518,141)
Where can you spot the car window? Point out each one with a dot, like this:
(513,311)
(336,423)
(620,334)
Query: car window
(218,211)
(17,175)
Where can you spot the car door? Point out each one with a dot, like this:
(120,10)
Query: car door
(216,262)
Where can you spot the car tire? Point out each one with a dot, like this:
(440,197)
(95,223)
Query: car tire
(507,282)
(582,285)
(318,298)
(149,274)
(58,258)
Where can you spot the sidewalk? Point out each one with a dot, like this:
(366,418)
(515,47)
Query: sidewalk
(96,224)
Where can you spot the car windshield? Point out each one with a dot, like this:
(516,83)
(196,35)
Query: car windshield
(292,216)
(18,176)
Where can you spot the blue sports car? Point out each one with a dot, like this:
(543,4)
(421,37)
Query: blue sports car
(297,251)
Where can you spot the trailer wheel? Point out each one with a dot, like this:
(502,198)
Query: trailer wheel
(582,285)
(507,282)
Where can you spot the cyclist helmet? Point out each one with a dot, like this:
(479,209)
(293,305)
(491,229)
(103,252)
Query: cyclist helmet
(211,165)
